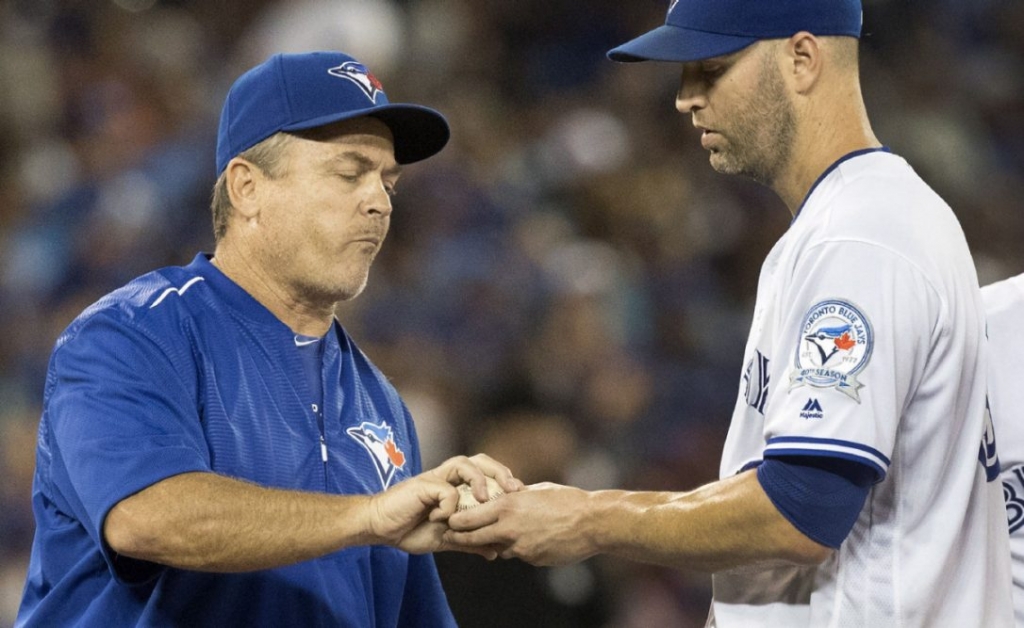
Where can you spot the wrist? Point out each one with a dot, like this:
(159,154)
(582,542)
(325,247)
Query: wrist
(598,513)
(357,520)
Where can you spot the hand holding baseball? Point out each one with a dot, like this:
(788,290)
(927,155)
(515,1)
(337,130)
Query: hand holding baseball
(467,500)
(413,514)
(540,524)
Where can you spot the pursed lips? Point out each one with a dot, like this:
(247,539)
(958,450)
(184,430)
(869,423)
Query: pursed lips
(706,136)
(369,238)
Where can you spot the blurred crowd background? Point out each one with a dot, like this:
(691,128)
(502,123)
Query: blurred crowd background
(566,287)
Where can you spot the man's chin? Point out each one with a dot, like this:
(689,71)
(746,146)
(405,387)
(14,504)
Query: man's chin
(721,163)
(351,291)
(336,293)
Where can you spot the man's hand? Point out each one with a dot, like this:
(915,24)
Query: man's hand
(412,515)
(721,525)
(540,525)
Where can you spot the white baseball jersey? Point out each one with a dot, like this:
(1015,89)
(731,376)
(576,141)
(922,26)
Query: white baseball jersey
(867,344)
(1004,306)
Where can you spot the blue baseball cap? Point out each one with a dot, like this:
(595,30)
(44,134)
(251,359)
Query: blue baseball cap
(292,92)
(702,29)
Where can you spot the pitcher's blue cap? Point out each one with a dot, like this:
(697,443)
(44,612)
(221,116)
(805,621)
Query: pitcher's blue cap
(292,92)
(702,29)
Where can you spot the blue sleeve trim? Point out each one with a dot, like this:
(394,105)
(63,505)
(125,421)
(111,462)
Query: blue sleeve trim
(828,447)
(784,453)
(830,441)
(821,504)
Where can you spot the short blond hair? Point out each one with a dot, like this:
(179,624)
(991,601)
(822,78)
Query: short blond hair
(268,157)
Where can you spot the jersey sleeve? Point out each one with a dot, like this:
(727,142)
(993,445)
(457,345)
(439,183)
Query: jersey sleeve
(120,419)
(857,321)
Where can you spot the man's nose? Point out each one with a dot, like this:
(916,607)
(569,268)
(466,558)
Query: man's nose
(377,200)
(691,97)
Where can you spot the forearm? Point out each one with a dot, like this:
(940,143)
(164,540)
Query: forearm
(716,527)
(208,522)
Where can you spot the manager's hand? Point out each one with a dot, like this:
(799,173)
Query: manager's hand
(413,514)
(204,521)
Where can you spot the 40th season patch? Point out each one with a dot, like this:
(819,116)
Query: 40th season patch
(835,345)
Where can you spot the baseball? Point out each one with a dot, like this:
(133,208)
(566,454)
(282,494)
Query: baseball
(466,499)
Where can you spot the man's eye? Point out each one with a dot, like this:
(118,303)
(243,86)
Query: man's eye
(711,74)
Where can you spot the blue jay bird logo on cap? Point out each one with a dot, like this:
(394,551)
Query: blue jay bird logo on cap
(361,76)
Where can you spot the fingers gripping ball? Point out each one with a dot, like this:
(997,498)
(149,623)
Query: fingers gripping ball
(466,499)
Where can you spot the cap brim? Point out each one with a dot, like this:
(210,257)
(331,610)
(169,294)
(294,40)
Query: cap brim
(672,43)
(419,132)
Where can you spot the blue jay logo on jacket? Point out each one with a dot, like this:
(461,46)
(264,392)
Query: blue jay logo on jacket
(379,442)
(834,347)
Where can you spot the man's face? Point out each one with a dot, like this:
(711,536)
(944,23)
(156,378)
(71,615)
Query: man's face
(740,103)
(323,221)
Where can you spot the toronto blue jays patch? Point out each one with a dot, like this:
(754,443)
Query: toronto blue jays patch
(834,347)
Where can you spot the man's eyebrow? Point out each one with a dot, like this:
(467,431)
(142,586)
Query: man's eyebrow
(361,160)
(728,58)
(348,156)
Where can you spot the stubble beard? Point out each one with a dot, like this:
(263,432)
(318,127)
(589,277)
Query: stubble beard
(332,288)
(348,288)
(760,141)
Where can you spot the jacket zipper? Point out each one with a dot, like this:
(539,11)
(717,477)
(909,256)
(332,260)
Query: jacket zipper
(323,441)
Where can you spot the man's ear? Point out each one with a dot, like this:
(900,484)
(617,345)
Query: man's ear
(804,60)
(243,179)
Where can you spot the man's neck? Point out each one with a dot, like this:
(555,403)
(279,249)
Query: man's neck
(301,318)
(836,129)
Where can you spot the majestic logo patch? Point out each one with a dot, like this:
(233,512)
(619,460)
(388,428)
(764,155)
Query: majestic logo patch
(358,74)
(835,345)
(812,410)
(379,441)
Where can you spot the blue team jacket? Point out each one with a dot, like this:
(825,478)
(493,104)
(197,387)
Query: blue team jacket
(181,370)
